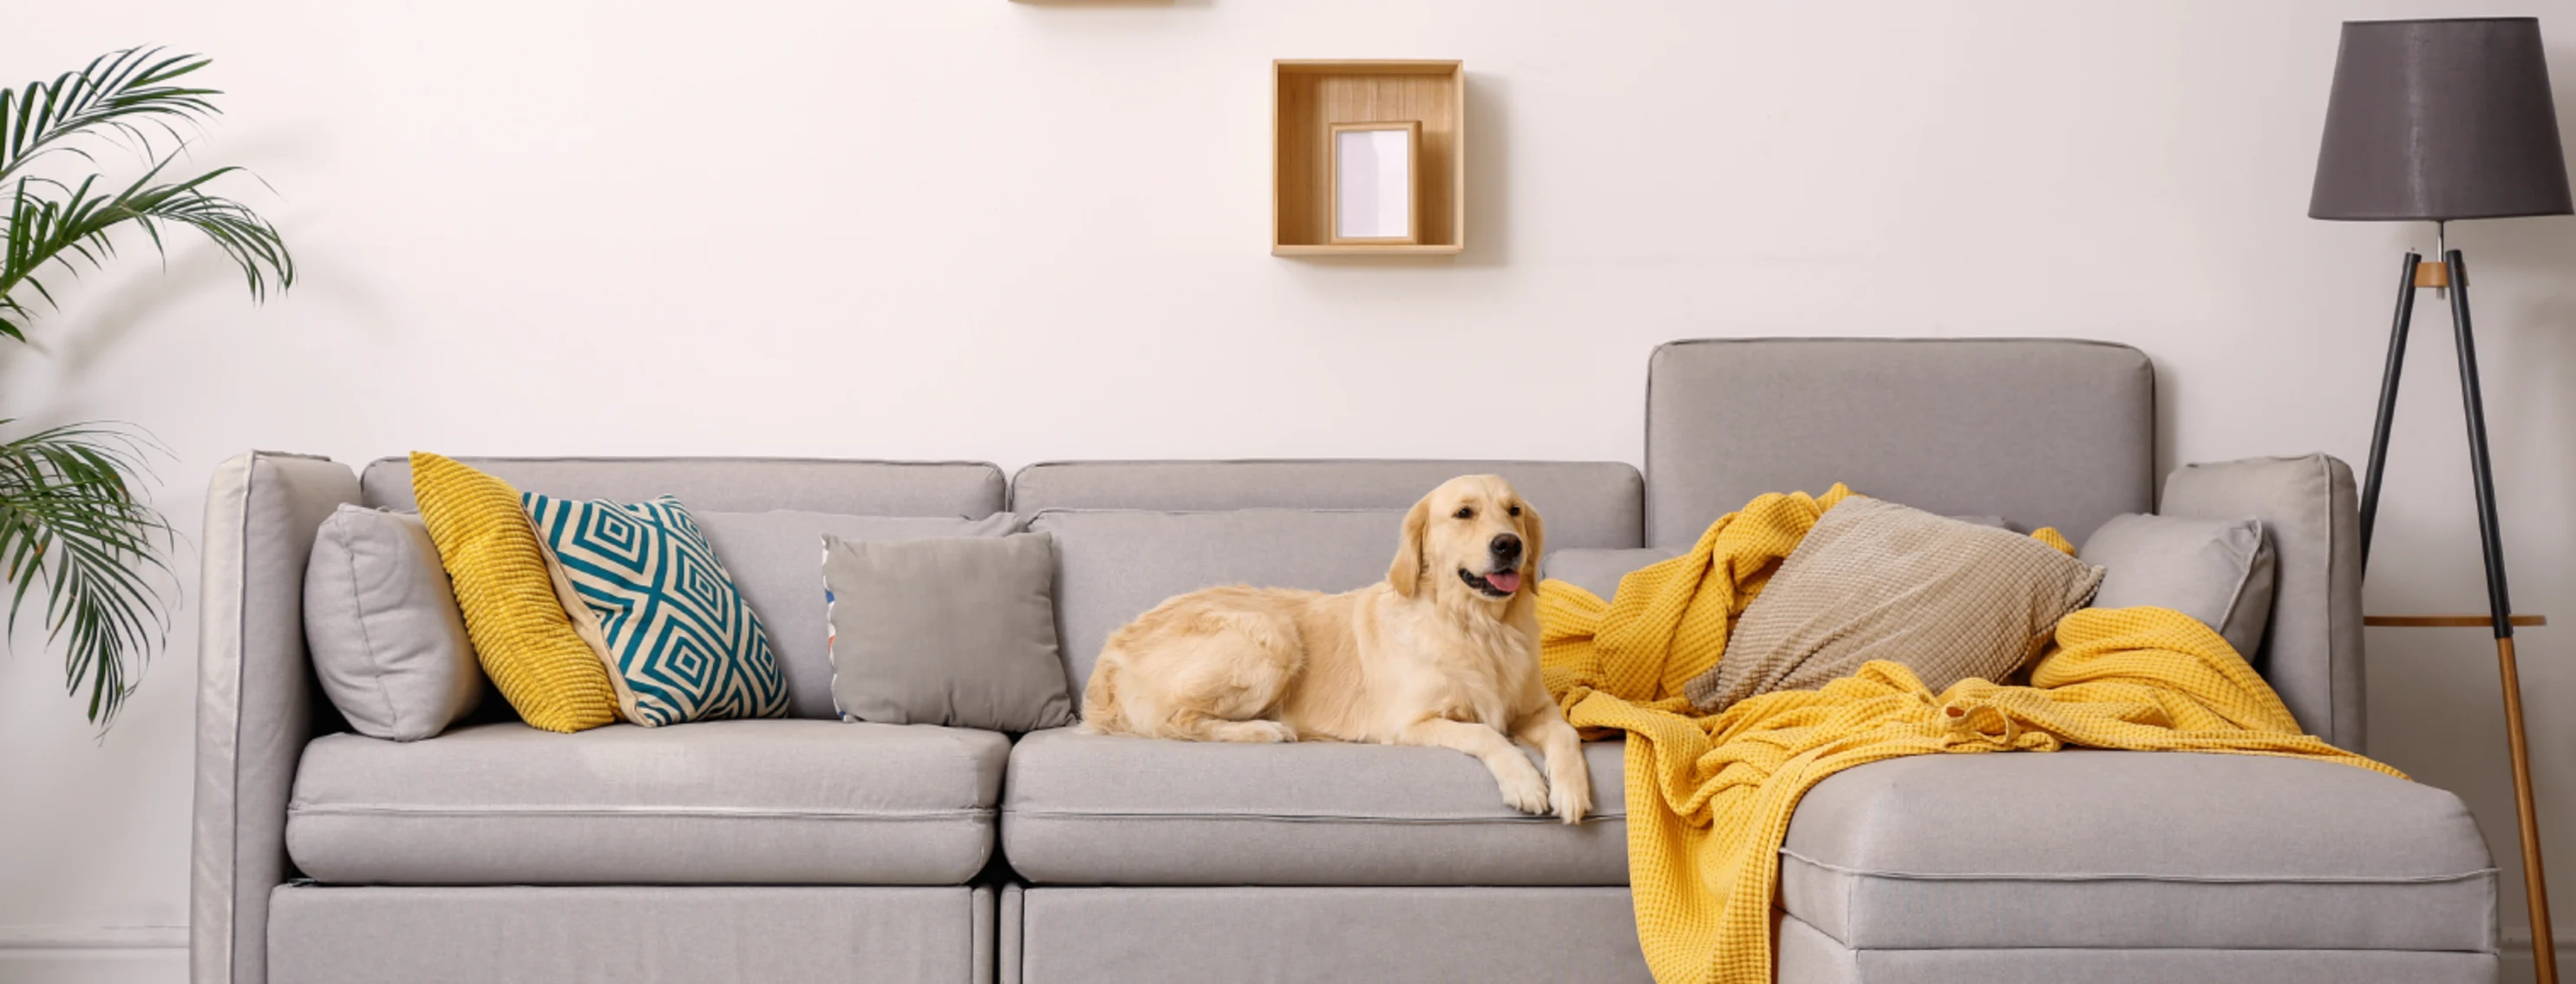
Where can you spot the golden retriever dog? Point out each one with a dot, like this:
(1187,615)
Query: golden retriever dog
(1444,652)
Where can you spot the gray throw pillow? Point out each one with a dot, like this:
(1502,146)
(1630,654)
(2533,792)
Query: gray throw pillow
(772,558)
(2219,571)
(952,631)
(387,639)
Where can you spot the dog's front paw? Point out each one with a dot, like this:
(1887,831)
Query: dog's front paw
(1523,788)
(1570,799)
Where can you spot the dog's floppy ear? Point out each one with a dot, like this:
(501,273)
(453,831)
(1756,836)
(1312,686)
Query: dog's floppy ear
(1534,539)
(1406,574)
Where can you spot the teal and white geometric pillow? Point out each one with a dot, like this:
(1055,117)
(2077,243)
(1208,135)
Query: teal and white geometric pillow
(680,643)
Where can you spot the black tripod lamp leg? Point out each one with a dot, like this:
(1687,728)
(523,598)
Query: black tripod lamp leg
(2387,399)
(2544,949)
(2490,538)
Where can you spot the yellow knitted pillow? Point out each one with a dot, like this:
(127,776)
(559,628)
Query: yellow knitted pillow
(517,622)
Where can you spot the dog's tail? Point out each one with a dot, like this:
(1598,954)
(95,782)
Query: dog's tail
(1100,701)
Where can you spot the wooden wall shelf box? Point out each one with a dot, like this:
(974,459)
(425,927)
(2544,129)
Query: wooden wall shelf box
(1308,97)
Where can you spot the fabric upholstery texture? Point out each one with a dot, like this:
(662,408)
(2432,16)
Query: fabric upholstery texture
(1875,580)
(2136,849)
(1117,810)
(2041,432)
(2311,648)
(1587,504)
(254,697)
(2216,570)
(716,802)
(972,490)
(1121,935)
(387,640)
(680,643)
(1709,797)
(511,602)
(1810,957)
(957,631)
(714,934)
(774,559)
(1113,565)
(1599,570)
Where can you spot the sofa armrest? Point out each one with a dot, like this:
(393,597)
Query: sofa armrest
(254,698)
(2311,651)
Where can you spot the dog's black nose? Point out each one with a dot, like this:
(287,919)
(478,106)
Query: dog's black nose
(1507,546)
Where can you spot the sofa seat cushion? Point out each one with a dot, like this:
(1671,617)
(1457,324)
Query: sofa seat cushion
(2135,849)
(715,802)
(1083,809)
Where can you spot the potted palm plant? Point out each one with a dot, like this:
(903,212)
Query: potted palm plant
(71,520)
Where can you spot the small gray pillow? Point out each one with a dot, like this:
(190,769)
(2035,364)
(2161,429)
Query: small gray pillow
(951,631)
(771,556)
(2216,570)
(381,619)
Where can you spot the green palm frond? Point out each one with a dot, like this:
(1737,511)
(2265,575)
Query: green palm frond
(116,93)
(54,223)
(70,519)
(50,223)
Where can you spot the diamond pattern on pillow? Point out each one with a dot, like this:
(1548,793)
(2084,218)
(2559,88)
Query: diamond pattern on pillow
(681,643)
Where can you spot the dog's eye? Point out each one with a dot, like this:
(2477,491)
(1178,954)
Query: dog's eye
(1516,510)
(1465,512)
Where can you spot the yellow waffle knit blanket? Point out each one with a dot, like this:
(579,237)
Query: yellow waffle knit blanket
(1709,797)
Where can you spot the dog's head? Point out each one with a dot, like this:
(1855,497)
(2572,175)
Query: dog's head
(1473,537)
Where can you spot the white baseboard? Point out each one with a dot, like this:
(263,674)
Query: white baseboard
(13,938)
(2519,940)
(94,954)
(2513,957)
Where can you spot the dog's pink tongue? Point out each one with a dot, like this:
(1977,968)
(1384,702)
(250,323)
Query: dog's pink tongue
(1505,582)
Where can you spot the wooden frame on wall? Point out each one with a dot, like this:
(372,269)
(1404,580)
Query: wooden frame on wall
(1352,220)
(1309,97)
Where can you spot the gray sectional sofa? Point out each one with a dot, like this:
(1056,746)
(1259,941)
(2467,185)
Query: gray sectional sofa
(812,850)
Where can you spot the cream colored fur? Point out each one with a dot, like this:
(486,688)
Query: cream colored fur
(1421,658)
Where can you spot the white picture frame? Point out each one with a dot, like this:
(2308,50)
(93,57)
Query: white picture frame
(1376,178)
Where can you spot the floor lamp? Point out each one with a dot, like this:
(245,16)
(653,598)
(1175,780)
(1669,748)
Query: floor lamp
(2436,120)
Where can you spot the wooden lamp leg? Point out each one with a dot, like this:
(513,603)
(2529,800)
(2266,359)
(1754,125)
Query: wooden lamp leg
(2544,944)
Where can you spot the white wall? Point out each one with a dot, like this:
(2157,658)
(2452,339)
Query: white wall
(1008,231)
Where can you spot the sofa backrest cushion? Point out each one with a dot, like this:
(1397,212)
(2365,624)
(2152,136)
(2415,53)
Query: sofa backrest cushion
(2311,649)
(2041,432)
(1587,503)
(776,559)
(857,488)
(1600,571)
(1113,565)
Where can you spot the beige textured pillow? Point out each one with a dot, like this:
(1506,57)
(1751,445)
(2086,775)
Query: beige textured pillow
(1875,580)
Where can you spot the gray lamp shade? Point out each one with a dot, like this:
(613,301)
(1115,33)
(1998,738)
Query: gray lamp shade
(2440,119)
